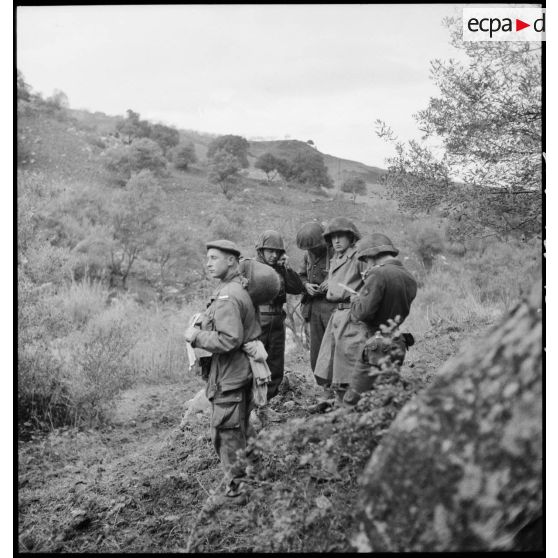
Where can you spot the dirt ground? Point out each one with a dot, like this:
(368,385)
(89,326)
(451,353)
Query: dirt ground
(139,482)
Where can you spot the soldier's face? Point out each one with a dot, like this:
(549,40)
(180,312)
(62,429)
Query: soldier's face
(270,256)
(370,261)
(340,242)
(218,263)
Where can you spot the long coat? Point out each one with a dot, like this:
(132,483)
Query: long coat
(344,336)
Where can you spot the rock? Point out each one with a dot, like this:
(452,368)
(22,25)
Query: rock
(460,469)
(289,405)
(198,404)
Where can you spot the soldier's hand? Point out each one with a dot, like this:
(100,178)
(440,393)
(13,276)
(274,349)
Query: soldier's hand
(323,286)
(190,333)
(312,289)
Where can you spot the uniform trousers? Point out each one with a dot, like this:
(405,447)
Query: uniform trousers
(229,423)
(320,313)
(273,339)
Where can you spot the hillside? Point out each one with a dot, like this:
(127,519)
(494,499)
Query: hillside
(105,464)
(338,168)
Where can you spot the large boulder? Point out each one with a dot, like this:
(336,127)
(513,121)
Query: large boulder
(460,469)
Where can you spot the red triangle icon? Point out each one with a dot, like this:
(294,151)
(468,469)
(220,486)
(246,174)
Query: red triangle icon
(519,25)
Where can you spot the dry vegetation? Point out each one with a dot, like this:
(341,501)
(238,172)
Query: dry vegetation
(103,465)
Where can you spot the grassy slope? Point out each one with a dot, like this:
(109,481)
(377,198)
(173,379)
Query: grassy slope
(139,483)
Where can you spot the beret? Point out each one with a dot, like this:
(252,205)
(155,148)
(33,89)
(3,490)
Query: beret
(224,246)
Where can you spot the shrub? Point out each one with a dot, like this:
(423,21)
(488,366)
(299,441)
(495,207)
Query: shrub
(117,161)
(72,352)
(45,263)
(95,141)
(81,302)
(184,155)
(224,171)
(141,154)
(354,186)
(235,146)
(426,242)
(91,257)
(146,154)
(308,168)
(166,136)
(97,367)
(270,165)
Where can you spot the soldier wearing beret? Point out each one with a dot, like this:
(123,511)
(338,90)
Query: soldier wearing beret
(229,322)
(388,291)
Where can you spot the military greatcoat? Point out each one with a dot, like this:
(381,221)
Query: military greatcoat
(344,335)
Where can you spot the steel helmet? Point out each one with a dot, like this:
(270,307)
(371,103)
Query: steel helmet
(271,240)
(309,236)
(340,224)
(263,283)
(375,244)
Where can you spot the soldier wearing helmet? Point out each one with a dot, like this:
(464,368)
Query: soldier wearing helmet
(228,323)
(316,309)
(343,335)
(388,292)
(271,251)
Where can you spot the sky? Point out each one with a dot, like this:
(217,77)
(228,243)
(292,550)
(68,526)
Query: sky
(319,72)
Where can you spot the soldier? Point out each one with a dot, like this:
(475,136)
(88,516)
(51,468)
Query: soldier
(271,251)
(344,336)
(388,292)
(316,309)
(229,322)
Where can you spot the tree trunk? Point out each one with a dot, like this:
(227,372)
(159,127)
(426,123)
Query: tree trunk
(460,469)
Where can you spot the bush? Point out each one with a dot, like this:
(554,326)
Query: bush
(354,186)
(146,154)
(45,263)
(224,171)
(81,302)
(308,168)
(183,156)
(73,353)
(426,242)
(270,165)
(95,141)
(166,136)
(494,272)
(97,366)
(141,154)
(235,146)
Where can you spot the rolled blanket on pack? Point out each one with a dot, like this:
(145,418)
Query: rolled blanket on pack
(257,356)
